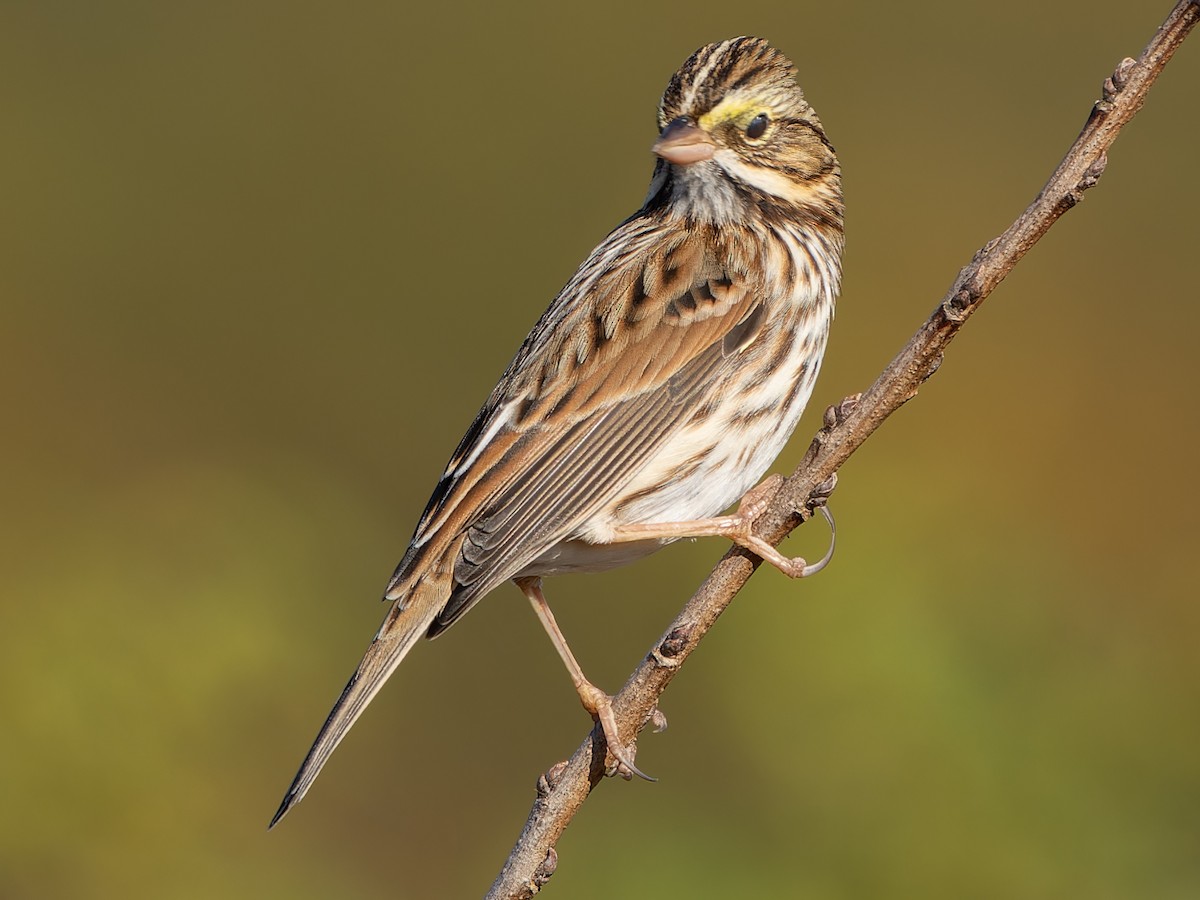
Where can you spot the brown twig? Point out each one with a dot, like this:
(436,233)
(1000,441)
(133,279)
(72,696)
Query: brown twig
(562,790)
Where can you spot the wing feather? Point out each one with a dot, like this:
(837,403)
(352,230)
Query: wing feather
(627,354)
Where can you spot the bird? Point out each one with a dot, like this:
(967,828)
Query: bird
(657,388)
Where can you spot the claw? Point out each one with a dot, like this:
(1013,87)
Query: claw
(602,710)
(816,567)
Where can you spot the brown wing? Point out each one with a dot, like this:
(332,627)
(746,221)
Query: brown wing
(628,353)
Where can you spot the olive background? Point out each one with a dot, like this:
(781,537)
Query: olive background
(259,265)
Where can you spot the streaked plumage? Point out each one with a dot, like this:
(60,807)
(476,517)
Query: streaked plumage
(660,384)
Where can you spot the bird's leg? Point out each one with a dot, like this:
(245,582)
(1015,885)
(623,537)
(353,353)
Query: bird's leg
(738,528)
(595,701)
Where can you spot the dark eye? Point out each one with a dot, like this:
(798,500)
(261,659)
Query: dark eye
(758,126)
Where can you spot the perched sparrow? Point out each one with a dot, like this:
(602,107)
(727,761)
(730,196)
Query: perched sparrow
(657,388)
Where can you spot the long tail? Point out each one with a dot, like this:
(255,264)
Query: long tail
(407,622)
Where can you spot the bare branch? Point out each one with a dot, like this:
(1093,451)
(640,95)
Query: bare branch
(562,790)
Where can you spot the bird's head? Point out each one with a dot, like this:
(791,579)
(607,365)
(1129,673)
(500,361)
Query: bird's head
(735,129)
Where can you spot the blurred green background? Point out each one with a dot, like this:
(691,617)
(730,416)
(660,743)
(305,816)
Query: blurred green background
(260,263)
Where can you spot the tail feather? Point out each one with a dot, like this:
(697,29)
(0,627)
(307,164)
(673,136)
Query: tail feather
(407,621)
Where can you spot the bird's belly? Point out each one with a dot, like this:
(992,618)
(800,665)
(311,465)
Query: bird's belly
(719,479)
(698,484)
(691,478)
(709,465)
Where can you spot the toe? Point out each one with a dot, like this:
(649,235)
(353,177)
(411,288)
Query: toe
(621,753)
